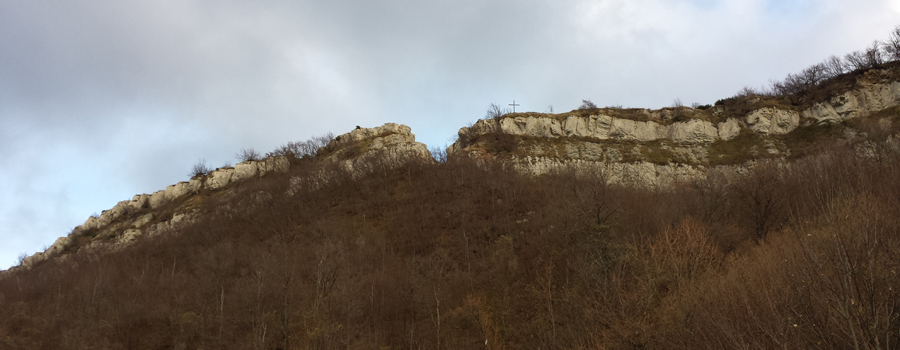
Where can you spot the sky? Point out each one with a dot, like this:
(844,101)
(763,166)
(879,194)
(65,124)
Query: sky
(104,99)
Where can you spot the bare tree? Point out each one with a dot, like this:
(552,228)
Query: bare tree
(748,91)
(247,154)
(439,154)
(892,45)
(199,169)
(855,60)
(813,75)
(761,198)
(587,104)
(874,55)
(299,150)
(834,66)
(494,111)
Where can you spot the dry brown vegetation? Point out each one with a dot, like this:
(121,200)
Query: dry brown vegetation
(470,254)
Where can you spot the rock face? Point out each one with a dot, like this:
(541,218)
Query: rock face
(125,217)
(773,121)
(637,174)
(357,151)
(601,127)
(729,129)
(868,98)
(654,150)
(392,143)
(622,150)
(363,150)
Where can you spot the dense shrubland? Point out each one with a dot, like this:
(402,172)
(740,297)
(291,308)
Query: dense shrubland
(471,254)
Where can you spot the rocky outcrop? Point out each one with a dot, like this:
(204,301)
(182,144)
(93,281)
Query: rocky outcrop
(390,143)
(729,129)
(637,147)
(213,181)
(866,99)
(357,151)
(874,92)
(636,174)
(661,147)
(390,137)
(363,150)
(600,127)
(773,121)
(132,218)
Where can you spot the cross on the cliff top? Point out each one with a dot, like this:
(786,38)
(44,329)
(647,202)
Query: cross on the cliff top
(514,104)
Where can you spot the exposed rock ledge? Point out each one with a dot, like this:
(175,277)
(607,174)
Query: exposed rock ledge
(129,219)
(363,149)
(637,174)
(604,127)
(856,103)
(392,142)
(866,99)
(141,207)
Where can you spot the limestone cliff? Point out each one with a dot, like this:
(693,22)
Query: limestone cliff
(164,210)
(391,142)
(635,147)
(656,147)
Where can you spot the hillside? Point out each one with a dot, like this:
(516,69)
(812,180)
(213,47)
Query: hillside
(763,221)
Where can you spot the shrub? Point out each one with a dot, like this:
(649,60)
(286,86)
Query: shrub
(494,112)
(298,150)
(439,154)
(247,154)
(586,105)
(761,199)
(199,169)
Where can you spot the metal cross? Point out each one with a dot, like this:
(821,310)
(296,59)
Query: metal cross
(514,104)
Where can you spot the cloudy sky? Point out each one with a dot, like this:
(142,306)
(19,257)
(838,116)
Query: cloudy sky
(101,100)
